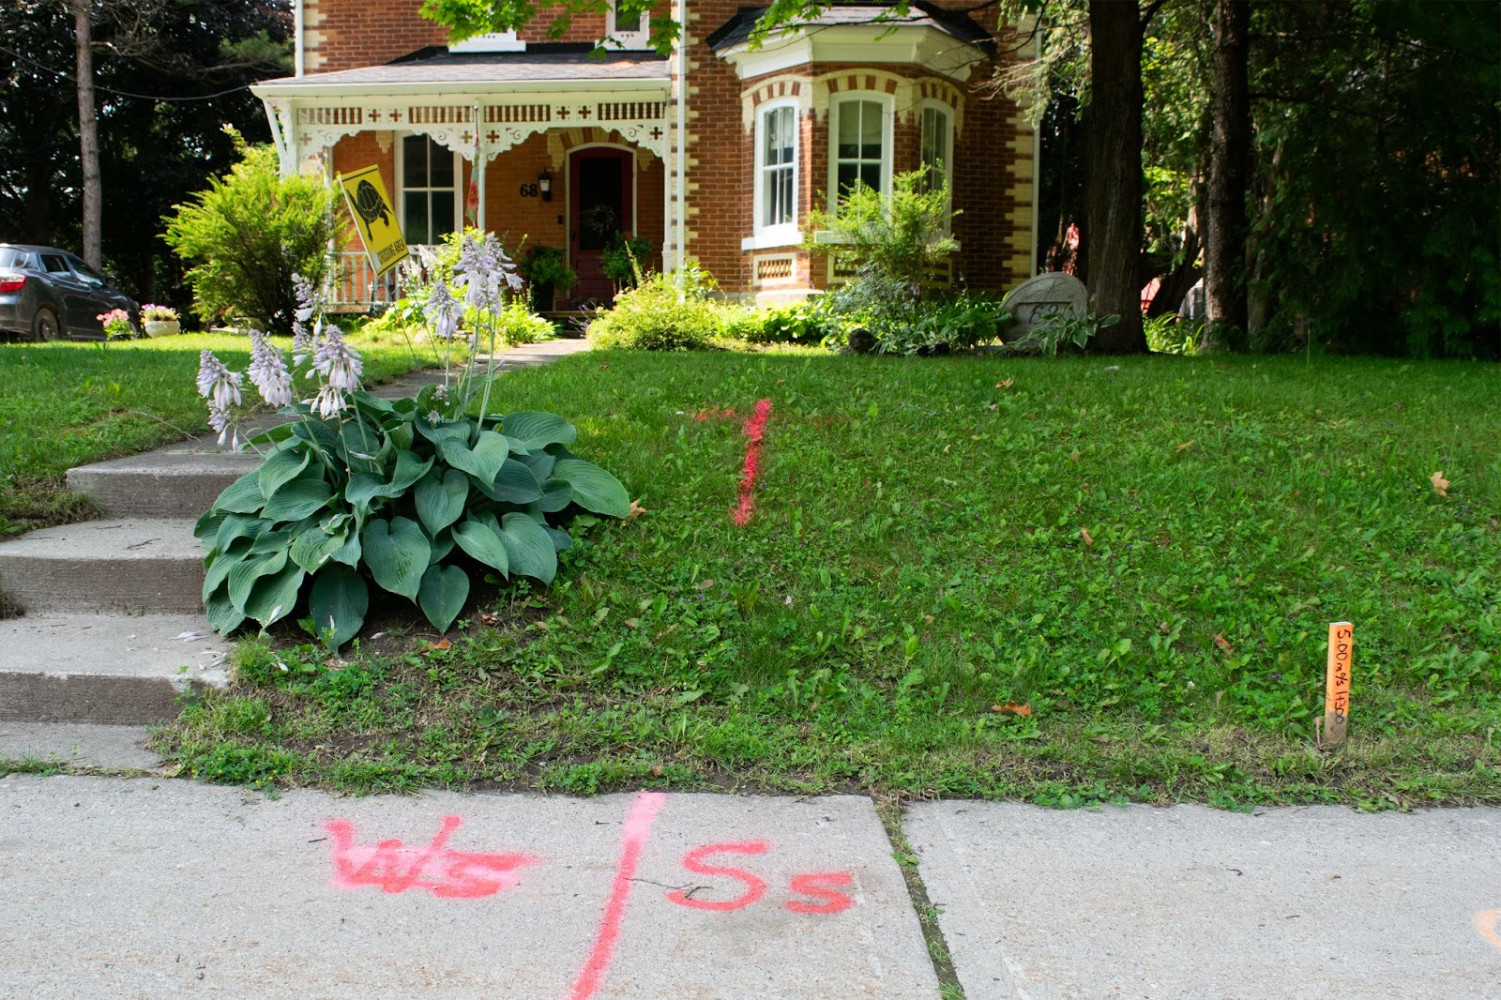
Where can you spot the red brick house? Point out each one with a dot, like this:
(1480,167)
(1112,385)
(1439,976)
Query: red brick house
(716,153)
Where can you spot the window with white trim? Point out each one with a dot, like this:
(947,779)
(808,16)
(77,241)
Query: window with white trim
(627,31)
(860,130)
(777,138)
(429,190)
(937,153)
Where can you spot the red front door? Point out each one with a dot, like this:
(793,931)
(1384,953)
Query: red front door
(602,207)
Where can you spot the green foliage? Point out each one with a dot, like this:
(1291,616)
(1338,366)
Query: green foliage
(663,313)
(803,323)
(898,240)
(1168,334)
(1061,331)
(544,266)
(516,324)
(248,234)
(1383,173)
(623,260)
(467,18)
(903,324)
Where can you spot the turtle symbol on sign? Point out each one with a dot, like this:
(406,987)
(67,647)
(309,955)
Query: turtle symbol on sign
(369,203)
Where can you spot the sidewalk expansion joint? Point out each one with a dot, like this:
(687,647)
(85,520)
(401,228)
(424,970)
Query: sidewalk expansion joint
(949,987)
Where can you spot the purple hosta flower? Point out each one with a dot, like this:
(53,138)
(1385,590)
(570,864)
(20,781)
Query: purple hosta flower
(216,383)
(444,310)
(329,402)
(440,393)
(222,420)
(434,417)
(482,267)
(337,362)
(308,300)
(268,370)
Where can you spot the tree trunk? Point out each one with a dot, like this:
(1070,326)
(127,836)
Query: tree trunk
(1177,282)
(1113,182)
(88,133)
(1229,173)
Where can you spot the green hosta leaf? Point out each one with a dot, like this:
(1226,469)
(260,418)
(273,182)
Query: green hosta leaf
(483,543)
(363,488)
(207,527)
(541,463)
(238,526)
(401,434)
(338,603)
(316,546)
(556,495)
(442,545)
(274,597)
(483,461)
(298,499)
(443,431)
(440,499)
(593,488)
(444,591)
(397,553)
(244,575)
(529,547)
(281,467)
(275,434)
(272,541)
(221,613)
(218,572)
(409,469)
(560,539)
(371,403)
(536,430)
(243,496)
(349,553)
(515,484)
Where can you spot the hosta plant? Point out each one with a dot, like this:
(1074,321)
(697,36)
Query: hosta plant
(412,496)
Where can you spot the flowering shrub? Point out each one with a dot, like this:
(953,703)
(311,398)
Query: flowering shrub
(117,324)
(410,495)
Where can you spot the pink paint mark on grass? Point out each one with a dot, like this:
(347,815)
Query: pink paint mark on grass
(634,834)
(755,431)
(394,867)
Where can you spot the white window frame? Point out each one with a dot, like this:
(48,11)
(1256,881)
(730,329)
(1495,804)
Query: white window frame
(888,118)
(627,39)
(785,233)
(401,187)
(494,41)
(948,162)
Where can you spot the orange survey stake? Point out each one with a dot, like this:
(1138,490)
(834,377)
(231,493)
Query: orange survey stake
(1337,681)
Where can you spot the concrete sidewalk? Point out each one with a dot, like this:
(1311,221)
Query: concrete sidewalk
(149,888)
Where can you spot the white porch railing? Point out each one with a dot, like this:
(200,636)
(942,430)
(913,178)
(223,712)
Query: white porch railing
(353,285)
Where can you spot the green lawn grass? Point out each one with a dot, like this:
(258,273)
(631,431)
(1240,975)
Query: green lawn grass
(918,560)
(65,404)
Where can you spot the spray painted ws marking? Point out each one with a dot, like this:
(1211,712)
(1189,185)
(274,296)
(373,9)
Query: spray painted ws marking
(817,886)
(1488,923)
(395,867)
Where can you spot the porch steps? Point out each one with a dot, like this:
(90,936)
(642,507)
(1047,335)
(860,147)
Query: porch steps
(113,629)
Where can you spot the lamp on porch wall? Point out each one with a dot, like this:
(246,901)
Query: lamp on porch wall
(544,184)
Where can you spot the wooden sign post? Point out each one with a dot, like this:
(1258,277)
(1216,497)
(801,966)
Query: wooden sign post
(1337,681)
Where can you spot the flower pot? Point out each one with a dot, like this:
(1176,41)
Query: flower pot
(162,327)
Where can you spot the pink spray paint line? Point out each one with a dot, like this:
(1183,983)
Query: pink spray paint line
(394,867)
(755,431)
(634,834)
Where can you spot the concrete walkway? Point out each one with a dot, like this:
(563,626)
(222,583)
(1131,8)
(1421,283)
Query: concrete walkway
(152,888)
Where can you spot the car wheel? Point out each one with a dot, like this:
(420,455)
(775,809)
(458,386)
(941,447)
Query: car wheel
(45,327)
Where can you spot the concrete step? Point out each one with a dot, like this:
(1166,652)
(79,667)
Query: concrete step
(131,566)
(160,484)
(110,669)
(79,746)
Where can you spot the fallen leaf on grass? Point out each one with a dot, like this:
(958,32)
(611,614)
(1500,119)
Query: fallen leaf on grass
(604,368)
(439,645)
(1074,457)
(1440,484)
(1187,445)
(1005,383)
(636,511)
(1084,534)
(1012,708)
(1224,644)
(489,618)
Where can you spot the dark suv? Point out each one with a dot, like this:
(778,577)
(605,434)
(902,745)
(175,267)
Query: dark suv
(46,293)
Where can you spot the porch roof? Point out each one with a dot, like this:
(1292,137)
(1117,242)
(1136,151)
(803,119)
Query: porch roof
(957,24)
(437,70)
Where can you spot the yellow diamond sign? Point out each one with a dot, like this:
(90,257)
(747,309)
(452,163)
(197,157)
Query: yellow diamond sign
(376,219)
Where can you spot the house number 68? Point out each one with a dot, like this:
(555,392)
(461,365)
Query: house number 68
(528,190)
